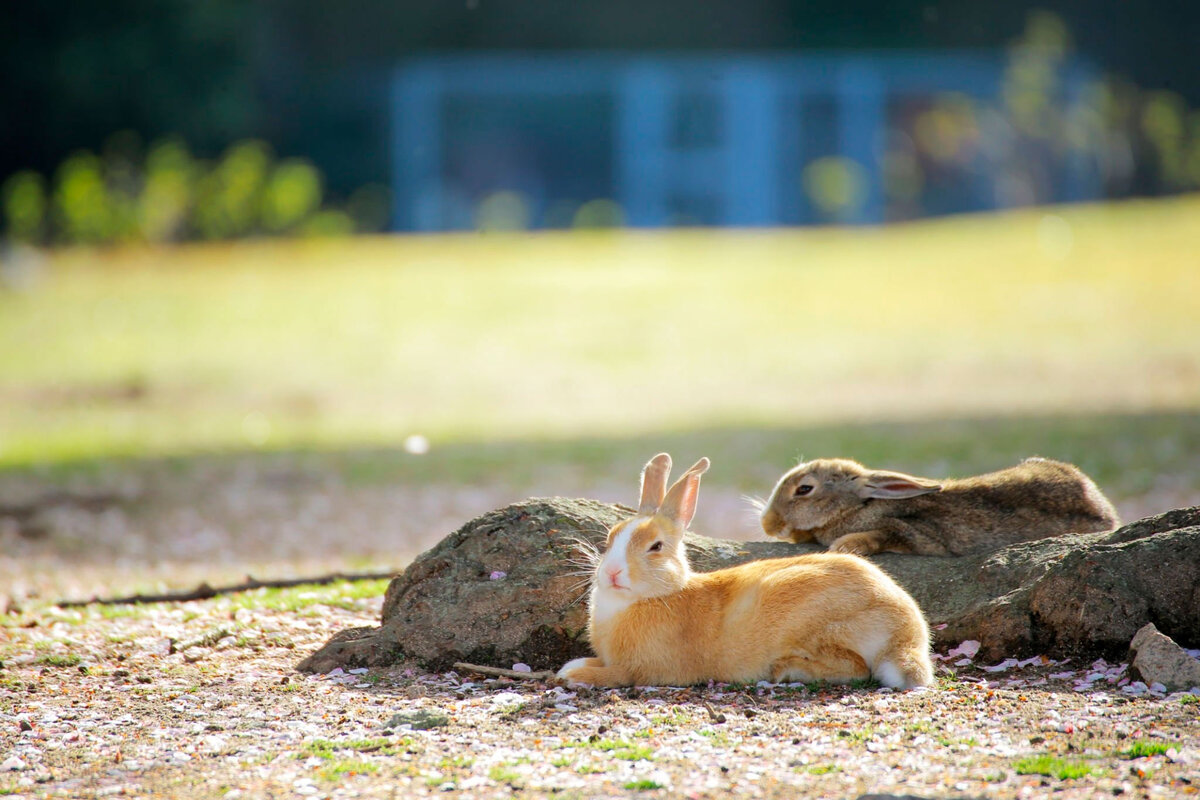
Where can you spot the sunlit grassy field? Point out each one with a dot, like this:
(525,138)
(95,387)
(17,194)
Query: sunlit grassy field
(960,344)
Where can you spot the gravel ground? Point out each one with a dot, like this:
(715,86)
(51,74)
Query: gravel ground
(201,699)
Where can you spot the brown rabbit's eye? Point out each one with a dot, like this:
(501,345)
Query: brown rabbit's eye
(803,489)
(654,548)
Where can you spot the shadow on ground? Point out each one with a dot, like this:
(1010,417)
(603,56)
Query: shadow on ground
(384,503)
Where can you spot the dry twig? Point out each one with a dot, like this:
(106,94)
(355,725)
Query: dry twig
(713,714)
(500,672)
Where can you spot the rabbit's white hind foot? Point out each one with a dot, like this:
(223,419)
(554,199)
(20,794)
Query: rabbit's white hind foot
(889,674)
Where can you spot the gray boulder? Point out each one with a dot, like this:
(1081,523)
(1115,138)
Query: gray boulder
(1155,658)
(508,587)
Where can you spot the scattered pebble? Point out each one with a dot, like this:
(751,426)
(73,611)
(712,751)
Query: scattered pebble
(418,720)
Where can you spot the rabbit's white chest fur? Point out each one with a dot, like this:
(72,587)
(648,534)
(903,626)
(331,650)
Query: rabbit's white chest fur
(608,603)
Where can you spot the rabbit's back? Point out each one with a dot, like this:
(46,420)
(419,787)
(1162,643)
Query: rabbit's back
(1032,500)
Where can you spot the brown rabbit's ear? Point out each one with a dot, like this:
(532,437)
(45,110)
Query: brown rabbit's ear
(896,486)
(680,502)
(654,483)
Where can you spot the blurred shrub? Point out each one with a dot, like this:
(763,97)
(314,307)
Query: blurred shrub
(1030,81)
(328,223)
(370,207)
(167,195)
(24,202)
(81,203)
(836,186)
(166,198)
(228,196)
(503,211)
(1163,123)
(292,193)
(599,213)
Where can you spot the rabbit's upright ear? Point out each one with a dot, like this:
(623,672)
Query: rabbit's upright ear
(654,483)
(895,486)
(680,502)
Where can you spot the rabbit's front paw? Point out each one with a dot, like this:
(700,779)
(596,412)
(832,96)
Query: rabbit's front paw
(855,544)
(571,667)
(594,672)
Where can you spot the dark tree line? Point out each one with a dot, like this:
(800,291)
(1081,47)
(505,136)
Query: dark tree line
(307,76)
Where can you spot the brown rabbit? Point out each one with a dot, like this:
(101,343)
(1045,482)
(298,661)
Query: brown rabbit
(852,509)
(820,616)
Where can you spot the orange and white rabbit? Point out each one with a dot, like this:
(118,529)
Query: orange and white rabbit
(820,616)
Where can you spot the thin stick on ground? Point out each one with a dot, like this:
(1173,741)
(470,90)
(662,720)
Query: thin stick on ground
(500,672)
(713,714)
(204,591)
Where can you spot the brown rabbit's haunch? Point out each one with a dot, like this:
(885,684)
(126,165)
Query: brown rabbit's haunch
(852,509)
(821,616)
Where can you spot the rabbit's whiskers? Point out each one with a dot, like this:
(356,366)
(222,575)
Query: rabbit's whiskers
(755,502)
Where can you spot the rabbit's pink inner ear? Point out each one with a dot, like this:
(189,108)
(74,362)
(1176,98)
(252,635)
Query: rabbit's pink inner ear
(680,502)
(897,486)
(654,483)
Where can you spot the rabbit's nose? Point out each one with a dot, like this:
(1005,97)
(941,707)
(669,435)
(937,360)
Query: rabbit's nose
(614,575)
(772,522)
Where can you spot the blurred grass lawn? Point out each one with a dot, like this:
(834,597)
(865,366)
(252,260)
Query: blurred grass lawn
(946,346)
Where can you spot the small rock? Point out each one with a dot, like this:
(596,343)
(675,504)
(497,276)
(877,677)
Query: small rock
(1157,659)
(418,720)
(25,726)
(13,764)
(213,744)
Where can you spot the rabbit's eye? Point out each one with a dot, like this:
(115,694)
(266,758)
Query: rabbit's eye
(802,490)
(654,548)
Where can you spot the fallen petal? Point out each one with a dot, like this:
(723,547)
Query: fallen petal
(968,648)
